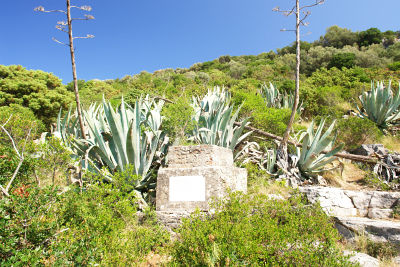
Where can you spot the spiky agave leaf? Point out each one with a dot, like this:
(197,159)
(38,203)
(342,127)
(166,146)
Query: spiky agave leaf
(215,123)
(311,160)
(271,95)
(379,105)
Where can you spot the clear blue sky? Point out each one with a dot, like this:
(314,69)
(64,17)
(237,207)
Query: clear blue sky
(133,35)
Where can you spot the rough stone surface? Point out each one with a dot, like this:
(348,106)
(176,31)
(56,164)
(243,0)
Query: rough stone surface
(199,156)
(339,202)
(171,219)
(376,230)
(363,259)
(213,163)
(380,213)
(368,150)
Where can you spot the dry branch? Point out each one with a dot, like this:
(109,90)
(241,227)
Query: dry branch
(340,155)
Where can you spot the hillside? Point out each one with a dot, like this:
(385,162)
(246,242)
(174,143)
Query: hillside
(87,197)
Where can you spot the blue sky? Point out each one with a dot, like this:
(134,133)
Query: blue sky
(132,35)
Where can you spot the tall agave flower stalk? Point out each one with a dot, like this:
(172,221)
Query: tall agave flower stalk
(215,120)
(379,105)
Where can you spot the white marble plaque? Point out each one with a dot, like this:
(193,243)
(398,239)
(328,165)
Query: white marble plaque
(187,188)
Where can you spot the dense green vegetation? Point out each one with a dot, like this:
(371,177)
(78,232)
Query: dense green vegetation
(47,220)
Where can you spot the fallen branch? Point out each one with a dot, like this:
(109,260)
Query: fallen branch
(340,155)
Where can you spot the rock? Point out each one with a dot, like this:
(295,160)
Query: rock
(333,200)
(380,213)
(361,201)
(363,259)
(171,219)
(376,230)
(339,202)
(384,200)
(397,260)
(368,150)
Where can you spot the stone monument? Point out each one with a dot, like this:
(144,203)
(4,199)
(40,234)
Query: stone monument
(195,175)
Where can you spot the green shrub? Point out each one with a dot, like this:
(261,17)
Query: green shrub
(354,132)
(27,225)
(272,120)
(394,66)
(83,226)
(22,120)
(268,119)
(103,228)
(257,231)
(323,101)
(341,60)
(9,162)
(178,119)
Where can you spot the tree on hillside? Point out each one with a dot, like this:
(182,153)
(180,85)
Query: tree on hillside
(369,37)
(338,37)
(41,92)
(66,26)
(301,13)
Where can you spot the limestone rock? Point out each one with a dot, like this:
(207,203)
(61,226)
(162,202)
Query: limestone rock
(375,213)
(363,259)
(333,200)
(339,202)
(368,150)
(376,230)
(384,200)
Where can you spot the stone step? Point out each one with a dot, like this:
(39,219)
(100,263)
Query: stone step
(376,230)
(339,202)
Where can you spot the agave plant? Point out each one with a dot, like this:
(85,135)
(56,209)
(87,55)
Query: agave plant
(310,158)
(379,105)
(288,102)
(271,96)
(122,137)
(215,120)
(274,99)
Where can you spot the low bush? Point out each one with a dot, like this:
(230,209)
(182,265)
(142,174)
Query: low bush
(178,119)
(9,162)
(272,120)
(354,132)
(257,231)
(97,225)
(20,121)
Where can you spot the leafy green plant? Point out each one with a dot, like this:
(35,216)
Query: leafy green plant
(310,158)
(178,121)
(257,231)
(18,121)
(27,225)
(41,92)
(97,225)
(215,120)
(395,66)
(354,132)
(52,160)
(380,105)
